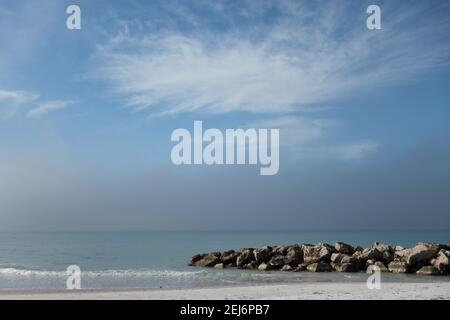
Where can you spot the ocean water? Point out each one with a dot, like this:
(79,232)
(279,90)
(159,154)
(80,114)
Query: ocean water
(145,260)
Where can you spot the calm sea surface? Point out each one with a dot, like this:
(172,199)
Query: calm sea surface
(122,260)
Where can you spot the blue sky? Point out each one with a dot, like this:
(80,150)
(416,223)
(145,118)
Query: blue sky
(91,111)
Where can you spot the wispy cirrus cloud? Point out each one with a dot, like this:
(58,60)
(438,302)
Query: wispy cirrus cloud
(309,136)
(17,102)
(16,97)
(302,58)
(297,130)
(46,107)
(11,102)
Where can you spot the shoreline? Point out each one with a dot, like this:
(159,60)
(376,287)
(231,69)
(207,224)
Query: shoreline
(300,291)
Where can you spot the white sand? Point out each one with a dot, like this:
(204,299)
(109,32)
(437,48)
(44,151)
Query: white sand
(346,291)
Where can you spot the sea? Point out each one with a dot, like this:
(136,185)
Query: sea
(153,260)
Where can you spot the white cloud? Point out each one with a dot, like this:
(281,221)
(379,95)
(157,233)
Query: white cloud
(16,97)
(11,102)
(309,136)
(296,62)
(295,130)
(47,107)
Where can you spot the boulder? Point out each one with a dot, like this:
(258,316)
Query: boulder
(421,253)
(294,256)
(196,258)
(229,257)
(345,267)
(264,267)
(263,254)
(344,248)
(441,262)
(300,267)
(399,248)
(387,257)
(245,257)
(280,250)
(370,262)
(444,247)
(286,267)
(368,254)
(250,266)
(438,246)
(428,271)
(319,267)
(277,261)
(219,266)
(382,247)
(337,257)
(349,259)
(208,260)
(378,265)
(398,267)
(319,253)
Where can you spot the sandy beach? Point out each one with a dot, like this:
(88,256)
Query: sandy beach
(304,291)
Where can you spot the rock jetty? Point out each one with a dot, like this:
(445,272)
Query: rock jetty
(422,259)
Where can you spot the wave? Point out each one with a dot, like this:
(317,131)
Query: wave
(101,273)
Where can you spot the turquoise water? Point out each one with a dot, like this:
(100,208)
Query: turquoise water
(158,259)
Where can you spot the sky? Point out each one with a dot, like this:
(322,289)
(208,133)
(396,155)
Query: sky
(86,115)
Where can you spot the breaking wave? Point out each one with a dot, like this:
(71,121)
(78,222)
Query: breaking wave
(101,273)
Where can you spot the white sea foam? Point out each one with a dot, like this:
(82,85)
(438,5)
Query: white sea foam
(102,273)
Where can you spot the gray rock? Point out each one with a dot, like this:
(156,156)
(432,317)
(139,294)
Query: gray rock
(337,257)
(387,257)
(399,248)
(219,266)
(382,247)
(428,271)
(344,248)
(294,256)
(277,261)
(345,267)
(319,267)
(300,267)
(196,258)
(287,267)
(250,266)
(398,267)
(441,262)
(263,254)
(229,257)
(245,257)
(418,254)
(370,262)
(264,267)
(319,253)
(377,265)
(349,259)
(368,254)
(208,260)
(280,250)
